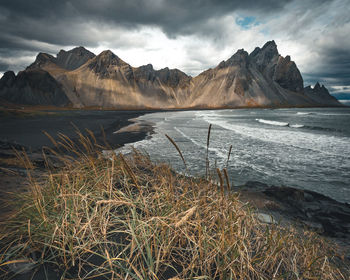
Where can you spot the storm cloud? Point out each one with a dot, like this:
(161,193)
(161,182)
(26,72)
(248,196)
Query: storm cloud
(189,35)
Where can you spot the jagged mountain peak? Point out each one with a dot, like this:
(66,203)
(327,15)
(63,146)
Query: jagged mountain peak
(7,79)
(148,67)
(174,70)
(320,94)
(269,47)
(108,57)
(73,58)
(107,53)
(78,51)
(173,77)
(270,44)
(8,75)
(41,60)
(265,55)
(317,86)
(44,56)
(105,64)
(68,60)
(240,58)
(320,88)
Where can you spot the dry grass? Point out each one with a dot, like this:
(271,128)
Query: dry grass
(11,161)
(126,218)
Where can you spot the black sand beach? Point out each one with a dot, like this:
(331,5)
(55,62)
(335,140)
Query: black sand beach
(28,129)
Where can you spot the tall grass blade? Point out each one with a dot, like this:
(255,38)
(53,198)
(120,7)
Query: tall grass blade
(177,148)
(228,156)
(207,154)
(227,179)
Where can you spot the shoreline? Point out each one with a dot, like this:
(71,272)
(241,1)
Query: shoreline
(13,108)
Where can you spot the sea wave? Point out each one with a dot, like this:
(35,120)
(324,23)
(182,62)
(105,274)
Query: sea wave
(323,128)
(333,114)
(330,145)
(304,113)
(296,125)
(272,122)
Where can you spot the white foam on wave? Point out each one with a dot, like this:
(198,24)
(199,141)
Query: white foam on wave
(333,114)
(296,125)
(303,113)
(206,113)
(272,122)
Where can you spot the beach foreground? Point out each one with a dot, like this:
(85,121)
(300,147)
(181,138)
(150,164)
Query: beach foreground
(121,217)
(83,212)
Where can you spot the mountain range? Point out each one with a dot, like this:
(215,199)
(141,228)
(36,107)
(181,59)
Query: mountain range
(80,79)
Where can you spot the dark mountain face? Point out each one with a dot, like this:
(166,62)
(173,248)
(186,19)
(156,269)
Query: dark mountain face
(7,80)
(74,58)
(287,75)
(68,60)
(32,87)
(266,56)
(320,94)
(173,77)
(261,78)
(281,70)
(36,85)
(41,60)
(103,63)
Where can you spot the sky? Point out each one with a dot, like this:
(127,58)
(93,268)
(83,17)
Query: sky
(191,35)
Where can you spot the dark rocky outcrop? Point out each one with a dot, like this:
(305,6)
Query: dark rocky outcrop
(320,95)
(74,58)
(32,87)
(327,216)
(287,75)
(173,77)
(7,79)
(103,63)
(42,59)
(68,60)
(265,58)
(277,68)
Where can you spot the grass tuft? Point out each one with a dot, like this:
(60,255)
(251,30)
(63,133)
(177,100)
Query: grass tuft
(123,217)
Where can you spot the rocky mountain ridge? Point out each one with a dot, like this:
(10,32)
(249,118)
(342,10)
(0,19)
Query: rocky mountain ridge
(32,87)
(261,78)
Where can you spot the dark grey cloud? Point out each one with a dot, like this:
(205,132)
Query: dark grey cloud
(171,15)
(56,22)
(27,27)
(48,25)
(333,70)
(4,67)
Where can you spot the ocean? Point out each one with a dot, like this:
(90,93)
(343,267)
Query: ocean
(301,148)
